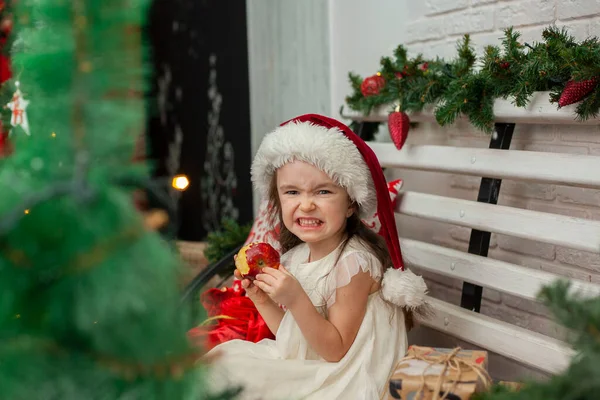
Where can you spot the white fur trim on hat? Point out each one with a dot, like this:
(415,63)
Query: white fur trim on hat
(327,149)
(403,288)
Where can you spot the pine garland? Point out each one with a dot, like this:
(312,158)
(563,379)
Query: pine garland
(468,86)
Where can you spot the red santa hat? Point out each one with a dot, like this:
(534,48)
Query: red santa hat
(333,148)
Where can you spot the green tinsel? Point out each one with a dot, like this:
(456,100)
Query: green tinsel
(89,298)
(467,86)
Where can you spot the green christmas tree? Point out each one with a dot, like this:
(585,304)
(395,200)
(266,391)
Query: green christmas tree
(89,299)
(581,380)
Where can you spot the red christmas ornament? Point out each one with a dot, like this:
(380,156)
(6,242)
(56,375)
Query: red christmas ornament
(505,65)
(424,67)
(576,91)
(398,124)
(372,85)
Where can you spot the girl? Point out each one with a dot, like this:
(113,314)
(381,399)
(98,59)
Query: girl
(343,329)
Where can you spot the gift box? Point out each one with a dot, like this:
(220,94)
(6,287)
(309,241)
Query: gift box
(428,373)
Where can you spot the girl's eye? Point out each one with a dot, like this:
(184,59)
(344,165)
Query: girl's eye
(291,192)
(324,191)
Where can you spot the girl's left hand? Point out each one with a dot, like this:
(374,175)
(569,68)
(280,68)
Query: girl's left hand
(280,285)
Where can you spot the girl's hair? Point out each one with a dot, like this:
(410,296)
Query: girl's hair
(354,228)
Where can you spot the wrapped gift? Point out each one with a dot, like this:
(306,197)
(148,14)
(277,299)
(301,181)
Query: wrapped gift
(428,373)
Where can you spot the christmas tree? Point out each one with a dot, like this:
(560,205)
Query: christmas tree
(89,296)
(581,380)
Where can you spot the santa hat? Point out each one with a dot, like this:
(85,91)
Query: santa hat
(333,148)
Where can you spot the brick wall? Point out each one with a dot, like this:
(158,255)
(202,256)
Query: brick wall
(443,22)
(435,33)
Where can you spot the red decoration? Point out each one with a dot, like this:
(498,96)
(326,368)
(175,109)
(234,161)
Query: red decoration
(424,67)
(3,144)
(398,124)
(505,65)
(236,316)
(372,85)
(576,91)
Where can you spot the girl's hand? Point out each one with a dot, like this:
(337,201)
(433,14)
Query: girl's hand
(279,285)
(254,293)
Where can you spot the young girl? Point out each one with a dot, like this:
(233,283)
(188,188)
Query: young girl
(343,287)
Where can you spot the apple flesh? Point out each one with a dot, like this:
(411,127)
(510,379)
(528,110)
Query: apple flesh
(253,257)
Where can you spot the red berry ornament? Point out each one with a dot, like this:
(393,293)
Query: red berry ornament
(576,91)
(398,124)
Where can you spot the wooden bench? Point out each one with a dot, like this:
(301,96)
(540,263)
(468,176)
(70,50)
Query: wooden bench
(484,216)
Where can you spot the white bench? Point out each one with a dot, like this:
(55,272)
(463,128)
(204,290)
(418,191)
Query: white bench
(524,346)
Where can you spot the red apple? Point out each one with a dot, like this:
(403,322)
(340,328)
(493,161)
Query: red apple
(253,257)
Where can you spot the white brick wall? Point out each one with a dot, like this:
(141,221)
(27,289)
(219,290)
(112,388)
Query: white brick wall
(444,21)
(435,33)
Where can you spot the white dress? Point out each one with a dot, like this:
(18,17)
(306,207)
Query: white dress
(288,368)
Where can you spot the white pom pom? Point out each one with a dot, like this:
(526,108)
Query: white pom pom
(403,288)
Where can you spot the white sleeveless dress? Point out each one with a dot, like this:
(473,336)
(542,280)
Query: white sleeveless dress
(288,368)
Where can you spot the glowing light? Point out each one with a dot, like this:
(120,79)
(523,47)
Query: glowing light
(180,182)
(26,211)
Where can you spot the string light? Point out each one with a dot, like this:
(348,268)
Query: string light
(180,182)
(26,211)
(53,134)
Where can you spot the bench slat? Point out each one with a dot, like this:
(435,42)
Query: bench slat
(486,272)
(556,168)
(527,347)
(574,233)
(538,111)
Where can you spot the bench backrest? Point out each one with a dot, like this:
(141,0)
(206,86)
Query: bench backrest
(525,346)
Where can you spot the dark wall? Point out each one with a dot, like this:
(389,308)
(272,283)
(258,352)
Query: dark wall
(200,59)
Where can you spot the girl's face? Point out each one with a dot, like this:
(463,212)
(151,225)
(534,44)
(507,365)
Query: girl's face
(313,207)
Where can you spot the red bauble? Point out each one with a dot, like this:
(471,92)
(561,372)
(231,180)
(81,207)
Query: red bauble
(372,85)
(398,124)
(576,91)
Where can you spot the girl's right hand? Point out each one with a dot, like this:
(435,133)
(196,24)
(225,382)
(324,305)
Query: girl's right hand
(254,293)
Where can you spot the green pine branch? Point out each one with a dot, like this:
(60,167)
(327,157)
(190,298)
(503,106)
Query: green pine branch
(221,242)
(468,86)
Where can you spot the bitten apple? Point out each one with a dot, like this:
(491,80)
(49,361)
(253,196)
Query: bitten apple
(253,257)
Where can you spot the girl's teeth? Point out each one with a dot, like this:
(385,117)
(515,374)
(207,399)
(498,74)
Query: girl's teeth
(310,222)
